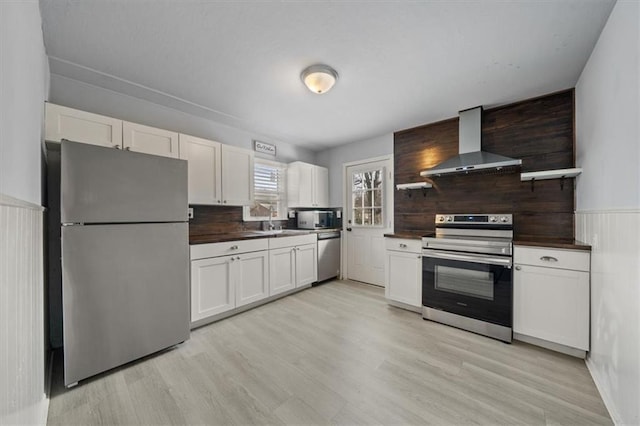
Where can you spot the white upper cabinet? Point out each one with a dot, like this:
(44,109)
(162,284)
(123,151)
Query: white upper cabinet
(81,126)
(237,176)
(307,185)
(150,140)
(205,169)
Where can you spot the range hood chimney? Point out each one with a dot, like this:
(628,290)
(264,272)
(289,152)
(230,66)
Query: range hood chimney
(470,156)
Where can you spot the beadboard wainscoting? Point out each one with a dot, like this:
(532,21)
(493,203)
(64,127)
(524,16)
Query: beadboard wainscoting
(22,346)
(615,297)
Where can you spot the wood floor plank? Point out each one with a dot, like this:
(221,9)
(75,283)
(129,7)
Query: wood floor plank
(335,354)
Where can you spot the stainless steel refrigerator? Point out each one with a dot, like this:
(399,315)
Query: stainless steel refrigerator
(125,256)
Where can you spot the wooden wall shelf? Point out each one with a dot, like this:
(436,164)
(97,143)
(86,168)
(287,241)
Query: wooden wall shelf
(550,174)
(413,185)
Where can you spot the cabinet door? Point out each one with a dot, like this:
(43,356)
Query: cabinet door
(552,304)
(150,140)
(205,174)
(237,176)
(252,281)
(300,178)
(321,187)
(282,270)
(306,264)
(212,287)
(81,126)
(404,278)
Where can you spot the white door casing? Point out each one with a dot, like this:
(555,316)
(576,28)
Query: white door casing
(369,215)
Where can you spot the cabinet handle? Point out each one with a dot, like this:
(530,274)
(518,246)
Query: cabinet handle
(225,201)
(402,245)
(238,258)
(128,148)
(232,259)
(234,248)
(419,257)
(518,268)
(218,201)
(548,259)
(116,146)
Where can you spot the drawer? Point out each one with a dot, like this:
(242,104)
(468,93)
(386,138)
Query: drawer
(203,251)
(402,244)
(551,258)
(298,240)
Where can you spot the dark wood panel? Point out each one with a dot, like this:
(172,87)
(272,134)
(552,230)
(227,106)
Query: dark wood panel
(539,131)
(222,220)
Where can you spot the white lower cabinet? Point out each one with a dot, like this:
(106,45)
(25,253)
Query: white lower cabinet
(403,272)
(282,270)
(212,287)
(252,277)
(229,275)
(551,298)
(293,263)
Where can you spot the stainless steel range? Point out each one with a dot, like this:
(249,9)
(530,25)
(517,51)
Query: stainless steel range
(466,273)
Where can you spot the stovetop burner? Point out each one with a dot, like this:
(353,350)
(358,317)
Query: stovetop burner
(473,233)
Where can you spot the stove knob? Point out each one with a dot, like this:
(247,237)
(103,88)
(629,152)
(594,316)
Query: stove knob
(493,219)
(504,219)
(441,219)
(449,219)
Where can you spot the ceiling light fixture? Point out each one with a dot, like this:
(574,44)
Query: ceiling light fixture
(319,78)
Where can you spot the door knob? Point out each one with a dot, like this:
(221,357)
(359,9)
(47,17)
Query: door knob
(518,268)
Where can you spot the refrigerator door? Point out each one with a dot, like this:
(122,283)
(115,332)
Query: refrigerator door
(125,293)
(106,185)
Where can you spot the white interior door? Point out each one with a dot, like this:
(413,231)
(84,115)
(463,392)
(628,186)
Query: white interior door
(369,215)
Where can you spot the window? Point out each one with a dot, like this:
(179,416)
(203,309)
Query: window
(270,191)
(367,205)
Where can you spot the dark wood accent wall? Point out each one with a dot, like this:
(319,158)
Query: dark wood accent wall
(209,220)
(539,131)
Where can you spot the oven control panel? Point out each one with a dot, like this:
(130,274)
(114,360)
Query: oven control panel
(475,219)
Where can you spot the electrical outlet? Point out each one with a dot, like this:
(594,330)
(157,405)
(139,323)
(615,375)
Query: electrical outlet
(338,214)
(292,214)
(190,212)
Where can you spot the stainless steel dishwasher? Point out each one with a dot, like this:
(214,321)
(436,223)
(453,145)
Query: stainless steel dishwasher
(328,255)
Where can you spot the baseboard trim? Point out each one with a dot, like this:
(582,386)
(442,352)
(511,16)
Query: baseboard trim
(606,398)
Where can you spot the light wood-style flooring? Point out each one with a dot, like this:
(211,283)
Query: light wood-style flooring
(336,354)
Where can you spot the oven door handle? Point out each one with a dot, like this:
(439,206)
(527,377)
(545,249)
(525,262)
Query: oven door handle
(489,260)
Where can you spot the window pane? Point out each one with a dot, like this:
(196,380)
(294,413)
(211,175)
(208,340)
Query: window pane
(377,179)
(357,199)
(366,217)
(377,198)
(357,216)
(358,182)
(269,190)
(368,199)
(377,216)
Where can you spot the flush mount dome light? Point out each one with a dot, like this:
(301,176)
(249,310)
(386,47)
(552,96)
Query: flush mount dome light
(319,78)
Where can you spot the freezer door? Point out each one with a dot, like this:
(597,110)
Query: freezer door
(125,291)
(106,185)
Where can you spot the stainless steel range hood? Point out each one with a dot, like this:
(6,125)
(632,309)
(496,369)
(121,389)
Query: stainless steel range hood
(470,157)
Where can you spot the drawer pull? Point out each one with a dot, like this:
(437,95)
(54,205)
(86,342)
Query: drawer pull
(234,248)
(548,259)
(402,245)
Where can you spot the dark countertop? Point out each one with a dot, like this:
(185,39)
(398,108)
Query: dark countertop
(409,235)
(250,235)
(561,243)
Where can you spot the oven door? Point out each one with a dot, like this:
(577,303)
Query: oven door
(472,285)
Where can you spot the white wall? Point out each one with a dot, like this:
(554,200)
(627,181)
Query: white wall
(334,158)
(80,95)
(24,77)
(608,206)
(23,87)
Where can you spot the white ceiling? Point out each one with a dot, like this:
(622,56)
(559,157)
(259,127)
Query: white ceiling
(401,64)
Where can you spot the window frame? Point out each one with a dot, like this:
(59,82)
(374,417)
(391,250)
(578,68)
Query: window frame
(282,191)
(381,206)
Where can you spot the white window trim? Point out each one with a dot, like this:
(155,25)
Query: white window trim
(282,214)
(383,188)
